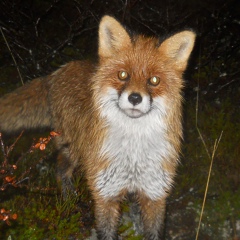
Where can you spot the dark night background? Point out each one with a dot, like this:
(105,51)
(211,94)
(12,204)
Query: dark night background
(44,34)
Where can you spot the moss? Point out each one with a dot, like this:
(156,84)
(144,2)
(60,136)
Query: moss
(40,219)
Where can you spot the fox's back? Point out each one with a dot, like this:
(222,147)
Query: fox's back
(70,98)
(70,93)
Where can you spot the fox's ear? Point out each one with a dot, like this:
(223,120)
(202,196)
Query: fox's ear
(112,37)
(178,48)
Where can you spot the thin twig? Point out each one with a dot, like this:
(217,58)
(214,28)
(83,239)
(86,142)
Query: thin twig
(13,145)
(12,56)
(216,143)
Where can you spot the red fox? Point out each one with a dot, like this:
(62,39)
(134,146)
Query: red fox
(119,119)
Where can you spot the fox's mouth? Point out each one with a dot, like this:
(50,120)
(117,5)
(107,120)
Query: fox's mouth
(133,113)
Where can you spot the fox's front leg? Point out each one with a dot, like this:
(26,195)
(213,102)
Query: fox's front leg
(107,218)
(153,216)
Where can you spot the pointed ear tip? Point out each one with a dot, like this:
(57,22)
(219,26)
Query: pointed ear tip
(107,18)
(190,34)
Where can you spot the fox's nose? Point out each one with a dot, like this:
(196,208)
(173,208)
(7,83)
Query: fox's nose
(135,98)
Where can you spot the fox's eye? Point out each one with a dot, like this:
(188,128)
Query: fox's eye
(154,81)
(123,76)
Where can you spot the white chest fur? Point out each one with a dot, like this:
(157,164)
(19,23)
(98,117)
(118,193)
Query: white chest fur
(136,149)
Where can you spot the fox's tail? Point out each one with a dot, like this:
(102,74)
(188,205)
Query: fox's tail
(25,108)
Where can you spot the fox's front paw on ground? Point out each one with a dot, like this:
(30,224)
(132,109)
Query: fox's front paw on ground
(119,119)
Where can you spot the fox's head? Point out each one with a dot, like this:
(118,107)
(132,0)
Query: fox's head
(139,74)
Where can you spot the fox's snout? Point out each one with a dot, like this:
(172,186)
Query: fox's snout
(134,104)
